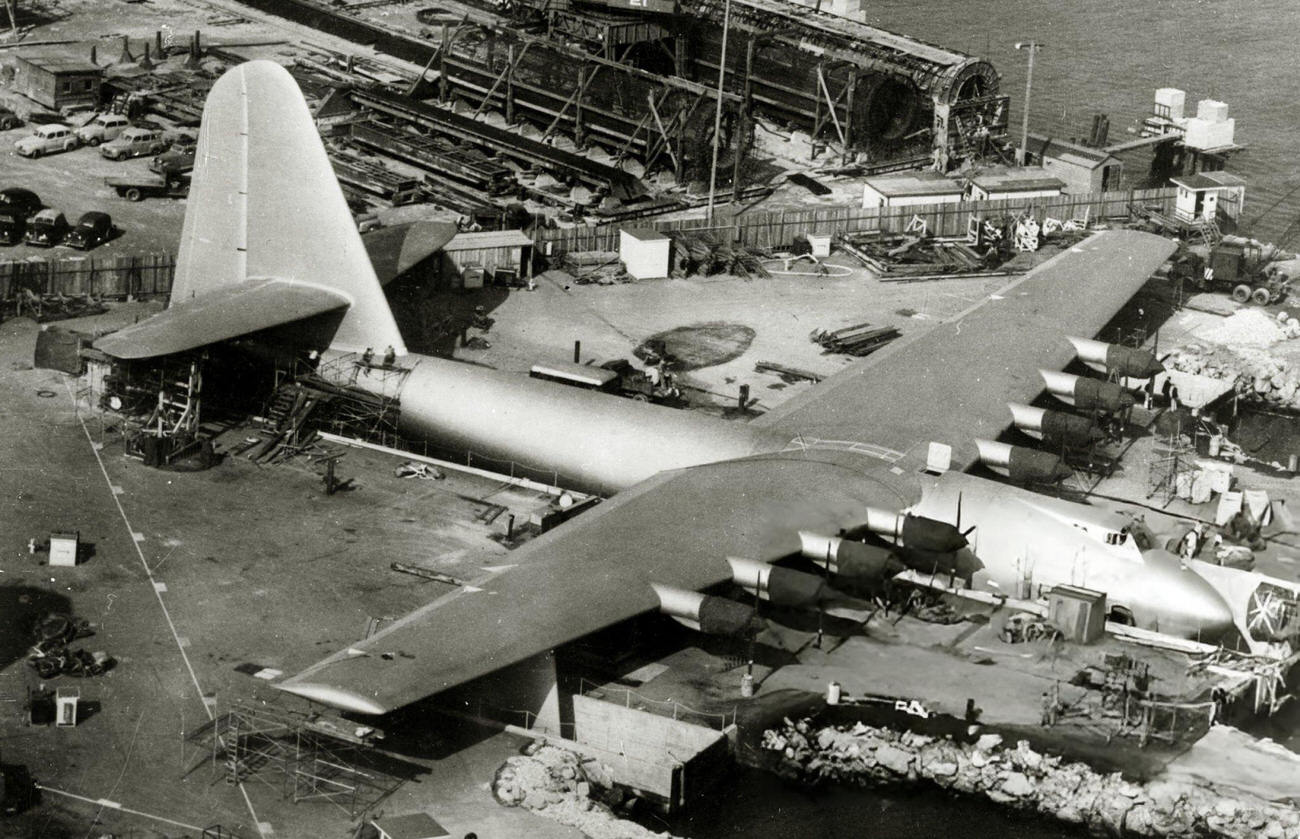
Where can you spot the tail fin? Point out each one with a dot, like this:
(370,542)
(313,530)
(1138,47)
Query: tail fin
(264,203)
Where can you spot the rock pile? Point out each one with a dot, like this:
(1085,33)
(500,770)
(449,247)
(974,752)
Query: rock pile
(558,784)
(1255,374)
(1023,778)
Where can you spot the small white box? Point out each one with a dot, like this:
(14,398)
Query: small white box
(65,707)
(1173,99)
(645,252)
(821,245)
(63,549)
(1212,110)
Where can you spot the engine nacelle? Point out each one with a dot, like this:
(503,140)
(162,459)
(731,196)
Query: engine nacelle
(1022,464)
(1086,394)
(1054,426)
(781,586)
(914,532)
(705,612)
(847,558)
(1129,362)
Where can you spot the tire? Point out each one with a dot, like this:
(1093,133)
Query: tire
(93,142)
(1260,297)
(133,194)
(1241,293)
(69,146)
(6,125)
(36,152)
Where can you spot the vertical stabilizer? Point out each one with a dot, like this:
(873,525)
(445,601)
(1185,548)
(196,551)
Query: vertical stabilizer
(264,203)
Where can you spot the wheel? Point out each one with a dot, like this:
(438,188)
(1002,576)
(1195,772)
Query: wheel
(93,141)
(1241,293)
(70,145)
(1260,297)
(6,124)
(132,194)
(36,152)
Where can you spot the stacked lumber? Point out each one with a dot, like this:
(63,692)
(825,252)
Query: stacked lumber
(857,340)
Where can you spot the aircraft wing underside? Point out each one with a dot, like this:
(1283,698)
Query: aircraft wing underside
(952,383)
(677,529)
(221,314)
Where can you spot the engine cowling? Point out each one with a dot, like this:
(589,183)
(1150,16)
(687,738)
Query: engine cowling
(1086,394)
(847,558)
(913,532)
(1021,463)
(1130,362)
(781,586)
(1054,426)
(704,612)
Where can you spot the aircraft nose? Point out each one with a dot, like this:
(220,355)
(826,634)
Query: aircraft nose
(1211,616)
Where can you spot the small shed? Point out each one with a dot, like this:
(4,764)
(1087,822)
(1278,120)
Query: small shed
(55,80)
(64,549)
(645,252)
(472,258)
(1008,182)
(1083,169)
(410,826)
(902,189)
(1206,195)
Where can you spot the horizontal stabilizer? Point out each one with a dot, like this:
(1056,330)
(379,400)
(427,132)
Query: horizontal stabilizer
(220,314)
(397,249)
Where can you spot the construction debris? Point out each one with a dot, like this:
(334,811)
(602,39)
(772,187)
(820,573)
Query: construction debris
(50,655)
(700,254)
(857,340)
(789,374)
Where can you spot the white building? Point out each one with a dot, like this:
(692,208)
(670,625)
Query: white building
(902,189)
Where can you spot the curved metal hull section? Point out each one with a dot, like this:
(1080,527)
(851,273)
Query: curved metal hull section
(589,440)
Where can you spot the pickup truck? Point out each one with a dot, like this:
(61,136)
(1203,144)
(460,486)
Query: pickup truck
(138,189)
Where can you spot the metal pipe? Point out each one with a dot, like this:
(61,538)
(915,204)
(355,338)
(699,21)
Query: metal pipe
(1032,47)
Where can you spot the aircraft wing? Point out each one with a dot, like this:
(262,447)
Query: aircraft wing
(677,529)
(952,383)
(226,312)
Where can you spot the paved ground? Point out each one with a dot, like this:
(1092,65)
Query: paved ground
(193,575)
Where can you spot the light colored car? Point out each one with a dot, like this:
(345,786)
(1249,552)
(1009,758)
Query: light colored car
(50,138)
(134,142)
(103,128)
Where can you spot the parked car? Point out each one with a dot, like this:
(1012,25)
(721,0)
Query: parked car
(92,229)
(8,119)
(178,160)
(16,206)
(133,142)
(46,229)
(50,138)
(102,129)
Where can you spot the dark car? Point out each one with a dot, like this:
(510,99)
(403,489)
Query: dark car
(92,229)
(46,229)
(16,206)
(8,119)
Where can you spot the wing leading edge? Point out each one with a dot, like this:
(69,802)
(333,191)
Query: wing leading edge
(676,528)
(952,384)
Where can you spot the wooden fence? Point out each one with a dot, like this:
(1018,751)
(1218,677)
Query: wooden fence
(775,230)
(116,275)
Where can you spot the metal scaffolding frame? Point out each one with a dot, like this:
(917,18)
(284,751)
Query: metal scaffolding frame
(317,757)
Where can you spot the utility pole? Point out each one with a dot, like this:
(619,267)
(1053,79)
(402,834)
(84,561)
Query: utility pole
(717,117)
(1032,47)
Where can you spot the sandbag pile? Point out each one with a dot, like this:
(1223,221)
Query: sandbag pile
(1025,779)
(558,784)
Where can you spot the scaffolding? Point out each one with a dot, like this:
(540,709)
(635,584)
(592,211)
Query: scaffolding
(316,757)
(1173,459)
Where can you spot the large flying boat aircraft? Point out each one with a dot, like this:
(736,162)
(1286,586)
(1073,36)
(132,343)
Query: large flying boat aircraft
(867,467)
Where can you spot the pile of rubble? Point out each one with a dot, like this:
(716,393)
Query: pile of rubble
(1244,349)
(562,786)
(1023,778)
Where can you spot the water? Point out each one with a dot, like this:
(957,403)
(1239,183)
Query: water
(1109,56)
(1106,56)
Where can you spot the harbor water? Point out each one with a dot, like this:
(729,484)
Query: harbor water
(1109,56)
(1102,56)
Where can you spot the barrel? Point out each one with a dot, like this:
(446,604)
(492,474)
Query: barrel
(1216,445)
(1293,464)
(833,693)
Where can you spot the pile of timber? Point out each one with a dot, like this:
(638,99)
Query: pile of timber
(904,256)
(858,340)
(700,254)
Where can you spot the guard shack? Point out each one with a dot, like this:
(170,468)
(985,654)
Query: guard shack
(1209,197)
(56,81)
(1083,169)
